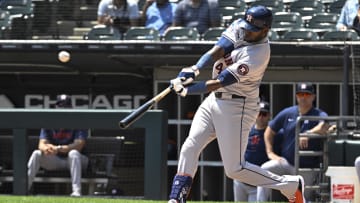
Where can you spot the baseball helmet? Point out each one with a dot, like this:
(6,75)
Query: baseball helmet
(257,18)
(63,100)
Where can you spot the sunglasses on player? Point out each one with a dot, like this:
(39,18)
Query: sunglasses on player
(303,94)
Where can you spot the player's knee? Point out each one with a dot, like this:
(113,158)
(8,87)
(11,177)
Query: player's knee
(74,153)
(36,153)
(234,172)
(357,162)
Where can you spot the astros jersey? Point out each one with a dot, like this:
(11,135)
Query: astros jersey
(249,67)
(286,119)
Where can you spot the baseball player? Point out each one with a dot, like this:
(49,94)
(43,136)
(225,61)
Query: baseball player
(230,110)
(59,149)
(283,162)
(255,152)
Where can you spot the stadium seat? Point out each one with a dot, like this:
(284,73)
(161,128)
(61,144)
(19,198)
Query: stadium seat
(273,5)
(307,8)
(5,24)
(336,35)
(300,35)
(65,28)
(227,14)
(336,6)
(232,3)
(102,32)
(273,36)
(141,33)
(323,22)
(213,34)
(181,34)
(286,21)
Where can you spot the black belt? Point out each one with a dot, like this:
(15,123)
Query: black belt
(220,95)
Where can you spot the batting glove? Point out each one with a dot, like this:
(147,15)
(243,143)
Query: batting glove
(188,74)
(178,87)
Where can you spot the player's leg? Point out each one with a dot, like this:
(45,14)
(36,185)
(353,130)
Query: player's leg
(280,167)
(76,162)
(357,166)
(33,166)
(201,133)
(232,140)
(240,193)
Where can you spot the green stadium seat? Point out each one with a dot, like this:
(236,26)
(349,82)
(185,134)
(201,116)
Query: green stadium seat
(181,34)
(336,6)
(273,5)
(307,8)
(141,33)
(286,21)
(336,35)
(213,34)
(300,35)
(102,32)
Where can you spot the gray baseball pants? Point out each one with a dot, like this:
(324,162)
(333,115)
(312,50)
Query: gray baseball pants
(75,162)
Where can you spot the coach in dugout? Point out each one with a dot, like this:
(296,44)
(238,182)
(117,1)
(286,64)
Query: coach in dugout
(60,149)
(283,163)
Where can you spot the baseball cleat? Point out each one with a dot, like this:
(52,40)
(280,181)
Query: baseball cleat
(299,194)
(172,201)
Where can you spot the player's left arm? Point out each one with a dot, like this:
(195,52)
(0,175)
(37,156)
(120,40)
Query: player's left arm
(224,79)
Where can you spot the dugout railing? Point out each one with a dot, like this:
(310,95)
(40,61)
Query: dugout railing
(154,122)
(347,128)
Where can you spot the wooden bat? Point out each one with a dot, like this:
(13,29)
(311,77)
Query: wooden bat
(139,112)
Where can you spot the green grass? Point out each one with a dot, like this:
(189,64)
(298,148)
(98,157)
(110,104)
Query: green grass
(57,199)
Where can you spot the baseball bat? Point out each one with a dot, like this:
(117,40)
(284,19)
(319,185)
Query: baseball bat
(139,112)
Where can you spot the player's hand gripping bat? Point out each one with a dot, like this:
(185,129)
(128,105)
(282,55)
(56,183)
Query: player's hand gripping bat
(139,112)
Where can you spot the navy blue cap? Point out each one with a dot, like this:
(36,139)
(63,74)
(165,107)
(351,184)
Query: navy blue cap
(264,106)
(305,87)
(257,18)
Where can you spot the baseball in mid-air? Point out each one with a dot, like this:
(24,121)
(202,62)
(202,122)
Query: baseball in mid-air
(64,56)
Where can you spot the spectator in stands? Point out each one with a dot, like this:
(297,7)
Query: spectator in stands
(158,14)
(201,14)
(349,17)
(121,14)
(60,149)
(357,166)
(255,153)
(283,163)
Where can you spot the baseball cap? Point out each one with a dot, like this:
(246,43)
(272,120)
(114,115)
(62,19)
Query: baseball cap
(305,87)
(63,100)
(264,106)
(257,18)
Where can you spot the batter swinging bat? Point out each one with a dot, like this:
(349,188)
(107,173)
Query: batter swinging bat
(137,113)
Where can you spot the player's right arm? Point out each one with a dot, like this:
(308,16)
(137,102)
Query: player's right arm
(219,50)
(269,136)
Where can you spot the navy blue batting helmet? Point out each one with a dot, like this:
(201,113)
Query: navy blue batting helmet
(257,18)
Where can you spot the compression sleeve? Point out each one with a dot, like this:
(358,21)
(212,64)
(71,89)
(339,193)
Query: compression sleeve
(226,78)
(226,44)
(197,88)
